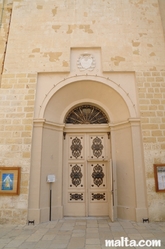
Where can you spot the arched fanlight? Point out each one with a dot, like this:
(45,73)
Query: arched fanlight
(86,114)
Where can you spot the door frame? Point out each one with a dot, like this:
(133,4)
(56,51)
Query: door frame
(94,128)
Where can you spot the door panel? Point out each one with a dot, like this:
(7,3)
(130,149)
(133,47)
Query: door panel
(98,205)
(97,148)
(76,147)
(85,189)
(74,176)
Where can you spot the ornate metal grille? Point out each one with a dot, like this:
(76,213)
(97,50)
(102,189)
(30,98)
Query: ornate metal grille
(76,196)
(98,196)
(76,147)
(97,147)
(86,114)
(98,175)
(76,175)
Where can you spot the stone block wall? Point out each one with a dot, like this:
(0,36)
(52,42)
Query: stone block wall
(5,19)
(17,96)
(151,92)
(130,35)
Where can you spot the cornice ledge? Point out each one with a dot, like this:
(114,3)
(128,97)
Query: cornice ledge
(38,122)
(125,122)
(134,120)
(52,125)
(47,124)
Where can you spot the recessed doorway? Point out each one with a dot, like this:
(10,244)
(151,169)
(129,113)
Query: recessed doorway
(87,165)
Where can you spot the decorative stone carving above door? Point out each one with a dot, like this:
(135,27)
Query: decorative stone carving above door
(86,61)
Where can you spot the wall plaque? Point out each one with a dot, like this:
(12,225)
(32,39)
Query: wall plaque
(51,178)
(159,174)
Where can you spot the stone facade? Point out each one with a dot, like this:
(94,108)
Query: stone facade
(38,37)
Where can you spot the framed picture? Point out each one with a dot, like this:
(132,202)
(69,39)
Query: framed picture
(10,180)
(159,174)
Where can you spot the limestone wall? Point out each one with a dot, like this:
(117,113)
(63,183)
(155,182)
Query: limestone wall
(16,120)
(162,11)
(151,88)
(42,33)
(5,19)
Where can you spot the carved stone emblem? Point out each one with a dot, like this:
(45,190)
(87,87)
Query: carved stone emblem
(86,61)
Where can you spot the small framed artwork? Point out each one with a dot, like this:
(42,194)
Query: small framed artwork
(159,174)
(10,180)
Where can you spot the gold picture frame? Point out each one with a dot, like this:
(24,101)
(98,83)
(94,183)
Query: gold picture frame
(10,180)
(159,175)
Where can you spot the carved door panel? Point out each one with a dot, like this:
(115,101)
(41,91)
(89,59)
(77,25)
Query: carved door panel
(97,175)
(74,176)
(85,175)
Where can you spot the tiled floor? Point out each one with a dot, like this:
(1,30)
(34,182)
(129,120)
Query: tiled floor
(79,233)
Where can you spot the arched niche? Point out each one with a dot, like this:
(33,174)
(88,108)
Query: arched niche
(81,91)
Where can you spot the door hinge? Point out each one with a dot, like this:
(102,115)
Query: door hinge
(64,135)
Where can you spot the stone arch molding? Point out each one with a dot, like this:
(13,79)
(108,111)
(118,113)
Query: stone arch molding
(97,89)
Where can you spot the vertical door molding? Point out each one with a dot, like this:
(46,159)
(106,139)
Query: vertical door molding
(139,171)
(35,172)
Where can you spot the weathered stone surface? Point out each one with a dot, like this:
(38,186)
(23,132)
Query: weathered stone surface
(39,38)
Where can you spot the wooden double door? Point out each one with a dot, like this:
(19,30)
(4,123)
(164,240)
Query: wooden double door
(87,176)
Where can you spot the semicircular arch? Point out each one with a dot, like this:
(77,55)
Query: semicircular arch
(94,79)
(119,108)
